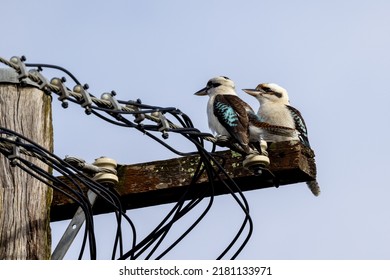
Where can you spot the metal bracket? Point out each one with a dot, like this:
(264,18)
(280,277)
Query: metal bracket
(72,230)
(43,84)
(138,117)
(87,100)
(110,98)
(19,61)
(164,125)
(64,93)
(15,152)
(105,173)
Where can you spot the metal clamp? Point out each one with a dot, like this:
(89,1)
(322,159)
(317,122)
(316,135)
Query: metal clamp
(19,61)
(138,117)
(86,97)
(64,93)
(164,125)
(15,152)
(43,84)
(110,98)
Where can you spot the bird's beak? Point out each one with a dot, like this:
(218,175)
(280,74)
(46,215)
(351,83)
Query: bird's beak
(253,92)
(201,92)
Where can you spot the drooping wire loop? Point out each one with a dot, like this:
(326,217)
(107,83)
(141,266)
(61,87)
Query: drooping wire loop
(148,119)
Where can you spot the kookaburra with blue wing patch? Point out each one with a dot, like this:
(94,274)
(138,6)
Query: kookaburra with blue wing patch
(275,109)
(227,113)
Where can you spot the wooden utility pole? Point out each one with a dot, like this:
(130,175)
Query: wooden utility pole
(26,206)
(24,201)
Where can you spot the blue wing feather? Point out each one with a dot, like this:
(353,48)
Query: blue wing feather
(231,113)
(226,113)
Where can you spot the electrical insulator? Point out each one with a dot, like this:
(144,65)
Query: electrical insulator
(107,178)
(256,162)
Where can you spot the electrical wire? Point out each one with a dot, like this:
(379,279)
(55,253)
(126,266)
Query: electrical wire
(73,191)
(116,112)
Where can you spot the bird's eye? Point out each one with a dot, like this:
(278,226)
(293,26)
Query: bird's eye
(209,84)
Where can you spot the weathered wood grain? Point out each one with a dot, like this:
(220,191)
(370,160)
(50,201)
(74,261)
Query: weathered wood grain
(159,182)
(24,201)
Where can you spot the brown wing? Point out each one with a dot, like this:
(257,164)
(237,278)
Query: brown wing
(231,113)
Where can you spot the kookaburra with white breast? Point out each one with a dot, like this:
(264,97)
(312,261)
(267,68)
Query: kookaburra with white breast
(275,109)
(231,117)
(227,113)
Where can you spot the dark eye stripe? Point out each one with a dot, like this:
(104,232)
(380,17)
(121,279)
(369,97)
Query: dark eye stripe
(278,94)
(268,90)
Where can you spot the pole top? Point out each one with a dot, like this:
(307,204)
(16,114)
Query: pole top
(10,76)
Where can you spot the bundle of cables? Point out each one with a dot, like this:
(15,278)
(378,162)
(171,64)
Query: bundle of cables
(149,120)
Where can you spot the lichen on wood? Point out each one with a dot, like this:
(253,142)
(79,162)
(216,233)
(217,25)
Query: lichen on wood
(165,181)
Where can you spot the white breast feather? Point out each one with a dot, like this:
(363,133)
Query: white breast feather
(276,114)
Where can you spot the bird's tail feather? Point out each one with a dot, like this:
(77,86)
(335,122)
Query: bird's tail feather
(314,187)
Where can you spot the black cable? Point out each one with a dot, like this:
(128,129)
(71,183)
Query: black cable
(210,180)
(41,65)
(213,168)
(189,206)
(244,207)
(127,123)
(83,205)
(49,161)
(196,221)
(160,229)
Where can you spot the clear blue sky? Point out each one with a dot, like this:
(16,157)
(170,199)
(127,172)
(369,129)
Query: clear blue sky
(332,56)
